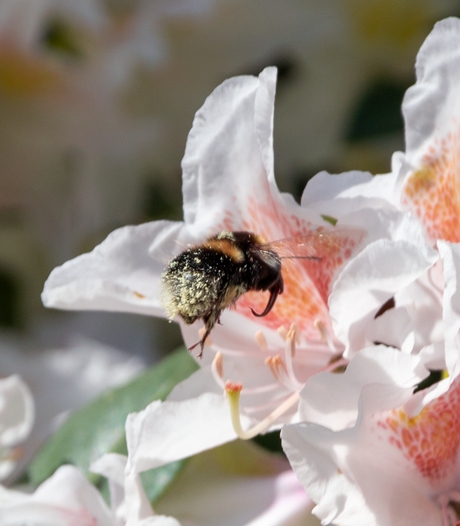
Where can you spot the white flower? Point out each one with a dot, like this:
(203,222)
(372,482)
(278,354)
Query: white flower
(390,452)
(427,183)
(65,499)
(229,184)
(17,416)
(60,381)
(366,440)
(237,484)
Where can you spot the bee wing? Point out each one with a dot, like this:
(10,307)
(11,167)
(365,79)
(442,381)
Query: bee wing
(317,245)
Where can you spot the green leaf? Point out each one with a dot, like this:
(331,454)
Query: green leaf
(100,427)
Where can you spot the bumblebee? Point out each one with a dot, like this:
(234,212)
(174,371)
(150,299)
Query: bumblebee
(204,280)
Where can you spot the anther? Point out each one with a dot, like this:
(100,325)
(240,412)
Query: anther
(284,375)
(322,330)
(276,364)
(294,329)
(325,335)
(261,340)
(282,331)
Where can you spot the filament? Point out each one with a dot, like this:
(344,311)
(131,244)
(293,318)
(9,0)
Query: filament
(217,369)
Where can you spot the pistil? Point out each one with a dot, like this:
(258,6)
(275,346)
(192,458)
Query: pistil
(233,392)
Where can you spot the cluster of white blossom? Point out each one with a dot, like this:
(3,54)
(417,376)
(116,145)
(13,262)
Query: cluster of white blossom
(342,363)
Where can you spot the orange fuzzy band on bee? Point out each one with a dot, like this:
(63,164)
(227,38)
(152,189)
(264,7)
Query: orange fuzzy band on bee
(227,247)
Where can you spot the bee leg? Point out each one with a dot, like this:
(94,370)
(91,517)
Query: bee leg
(209,323)
(275,289)
(201,343)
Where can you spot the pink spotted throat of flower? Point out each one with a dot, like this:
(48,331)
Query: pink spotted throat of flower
(206,279)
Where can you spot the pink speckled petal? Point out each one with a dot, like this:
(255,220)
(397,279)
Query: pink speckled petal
(391,466)
(228,183)
(430,171)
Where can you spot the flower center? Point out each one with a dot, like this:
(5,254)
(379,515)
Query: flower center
(431,440)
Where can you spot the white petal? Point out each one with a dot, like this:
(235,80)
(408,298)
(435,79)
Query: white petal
(378,484)
(394,327)
(237,485)
(450,254)
(112,466)
(118,275)
(332,399)
(158,520)
(228,180)
(429,172)
(168,431)
(16,411)
(65,498)
(431,103)
(374,275)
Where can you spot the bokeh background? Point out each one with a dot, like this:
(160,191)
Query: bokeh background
(96,100)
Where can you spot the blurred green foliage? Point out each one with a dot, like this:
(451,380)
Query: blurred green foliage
(99,428)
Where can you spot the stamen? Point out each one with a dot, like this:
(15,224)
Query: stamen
(325,335)
(289,353)
(201,333)
(294,328)
(217,369)
(280,372)
(233,392)
(274,362)
(261,340)
(282,331)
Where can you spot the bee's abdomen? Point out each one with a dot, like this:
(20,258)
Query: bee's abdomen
(199,281)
